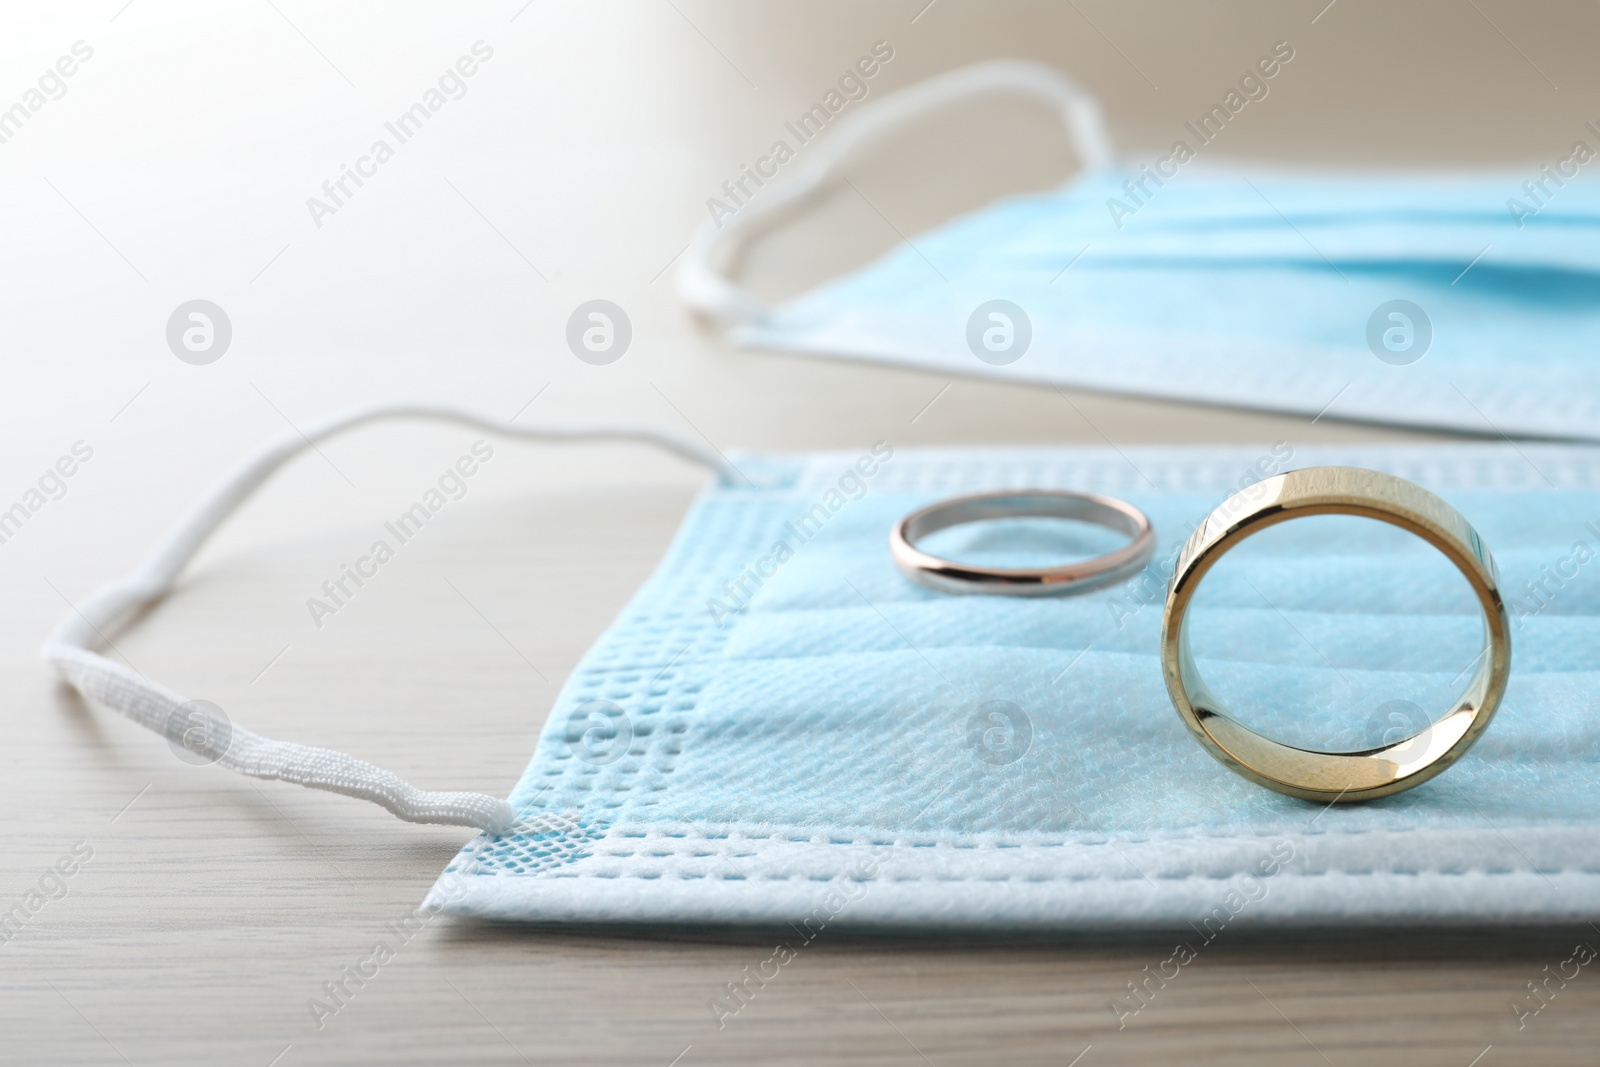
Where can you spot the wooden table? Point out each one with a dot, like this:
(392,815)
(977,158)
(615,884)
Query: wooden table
(215,907)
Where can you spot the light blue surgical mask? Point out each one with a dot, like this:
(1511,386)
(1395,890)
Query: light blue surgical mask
(1462,301)
(781,728)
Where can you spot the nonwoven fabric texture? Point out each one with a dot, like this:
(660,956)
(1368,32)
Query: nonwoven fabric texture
(781,728)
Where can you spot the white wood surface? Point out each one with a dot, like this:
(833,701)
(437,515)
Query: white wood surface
(215,907)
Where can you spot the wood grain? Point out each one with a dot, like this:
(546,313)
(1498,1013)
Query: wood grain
(214,908)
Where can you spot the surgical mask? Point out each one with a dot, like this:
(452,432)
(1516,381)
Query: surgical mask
(1461,301)
(780,728)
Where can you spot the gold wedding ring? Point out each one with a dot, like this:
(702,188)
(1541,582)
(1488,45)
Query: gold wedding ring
(1336,776)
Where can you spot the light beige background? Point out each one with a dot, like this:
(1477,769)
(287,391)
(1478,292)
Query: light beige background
(177,166)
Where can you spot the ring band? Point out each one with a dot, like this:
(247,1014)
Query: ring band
(1335,776)
(948,576)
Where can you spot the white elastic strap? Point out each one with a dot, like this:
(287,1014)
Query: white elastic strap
(703,287)
(71,646)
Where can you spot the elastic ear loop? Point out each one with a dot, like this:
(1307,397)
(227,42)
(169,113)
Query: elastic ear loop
(71,646)
(703,287)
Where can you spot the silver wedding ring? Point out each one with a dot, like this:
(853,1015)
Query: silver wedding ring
(948,576)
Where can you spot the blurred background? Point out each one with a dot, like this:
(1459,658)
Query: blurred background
(176,165)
